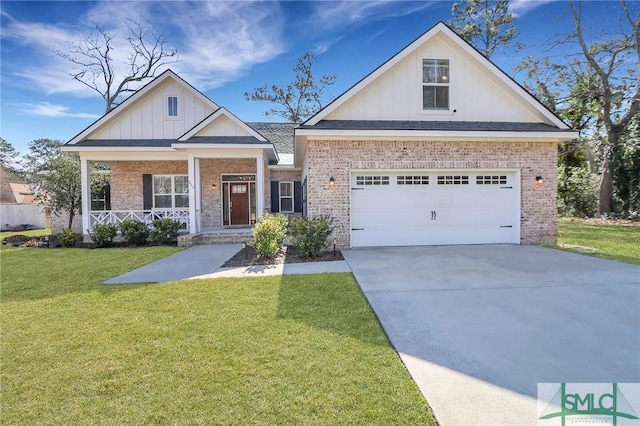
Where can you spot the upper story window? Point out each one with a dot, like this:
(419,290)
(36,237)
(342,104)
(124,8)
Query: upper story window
(172,107)
(435,84)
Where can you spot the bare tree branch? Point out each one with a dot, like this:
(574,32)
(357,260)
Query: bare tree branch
(96,67)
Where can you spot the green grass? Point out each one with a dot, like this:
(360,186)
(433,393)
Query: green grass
(614,242)
(270,350)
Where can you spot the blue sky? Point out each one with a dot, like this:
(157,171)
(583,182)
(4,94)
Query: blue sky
(228,48)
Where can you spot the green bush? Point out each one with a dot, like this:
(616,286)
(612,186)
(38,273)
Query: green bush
(165,230)
(577,192)
(103,235)
(308,236)
(269,234)
(134,232)
(68,238)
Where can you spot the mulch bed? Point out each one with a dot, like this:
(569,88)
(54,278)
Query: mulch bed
(288,254)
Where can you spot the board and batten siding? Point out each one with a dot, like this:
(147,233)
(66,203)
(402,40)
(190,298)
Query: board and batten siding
(223,126)
(475,93)
(147,118)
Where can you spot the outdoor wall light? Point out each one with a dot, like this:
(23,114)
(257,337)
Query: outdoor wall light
(539,181)
(213,186)
(332,181)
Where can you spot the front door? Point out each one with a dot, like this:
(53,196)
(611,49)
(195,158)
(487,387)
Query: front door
(239,203)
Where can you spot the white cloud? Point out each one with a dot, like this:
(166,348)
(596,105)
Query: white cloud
(345,13)
(522,7)
(217,41)
(45,109)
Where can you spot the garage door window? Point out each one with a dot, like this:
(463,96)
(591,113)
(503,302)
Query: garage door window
(453,180)
(412,180)
(491,180)
(372,180)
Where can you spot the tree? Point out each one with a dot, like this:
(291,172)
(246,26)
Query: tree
(54,177)
(596,89)
(300,99)
(616,87)
(485,24)
(8,155)
(97,69)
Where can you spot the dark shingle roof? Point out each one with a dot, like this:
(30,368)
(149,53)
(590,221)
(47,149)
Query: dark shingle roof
(155,143)
(166,143)
(465,126)
(280,134)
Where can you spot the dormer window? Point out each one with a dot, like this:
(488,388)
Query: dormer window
(435,84)
(173,110)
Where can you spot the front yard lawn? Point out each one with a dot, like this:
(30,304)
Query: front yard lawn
(619,242)
(271,350)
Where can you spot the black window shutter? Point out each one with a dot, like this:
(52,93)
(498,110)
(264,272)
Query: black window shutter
(297,196)
(147,192)
(275,196)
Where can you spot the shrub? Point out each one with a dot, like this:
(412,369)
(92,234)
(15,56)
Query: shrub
(269,234)
(21,227)
(165,230)
(135,232)
(308,236)
(577,192)
(16,240)
(68,238)
(103,235)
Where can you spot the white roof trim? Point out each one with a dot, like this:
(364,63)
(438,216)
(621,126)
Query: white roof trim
(133,98)
(391,134)
(213,117)
(78,148)
(197,145)
(436,29)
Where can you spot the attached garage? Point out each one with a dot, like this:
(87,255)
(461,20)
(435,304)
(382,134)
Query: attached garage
(405,208)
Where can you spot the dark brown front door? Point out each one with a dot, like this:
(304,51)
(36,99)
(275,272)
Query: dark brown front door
(239,197)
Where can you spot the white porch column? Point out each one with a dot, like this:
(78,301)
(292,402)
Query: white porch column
(260,185)
(191,165)
(198,191)
(85,179)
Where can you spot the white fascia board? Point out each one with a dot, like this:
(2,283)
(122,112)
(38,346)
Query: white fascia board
(132,156)
(213,117)
(214,146)
(76,148)
(133,98)
(431,134)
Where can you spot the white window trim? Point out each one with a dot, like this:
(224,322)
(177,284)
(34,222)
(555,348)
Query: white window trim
(280,196)
(172,193)
(166,106)
(421,109)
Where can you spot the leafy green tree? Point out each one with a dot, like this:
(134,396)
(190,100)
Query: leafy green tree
(54,176)
(596,89)
(8,155)
(298,100)
(485,24)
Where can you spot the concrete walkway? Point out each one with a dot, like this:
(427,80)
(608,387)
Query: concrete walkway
(478,327)
(201,262)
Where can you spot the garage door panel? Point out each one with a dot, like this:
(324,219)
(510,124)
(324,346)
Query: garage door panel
(480,211)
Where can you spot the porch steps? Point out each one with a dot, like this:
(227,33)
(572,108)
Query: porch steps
(223,236)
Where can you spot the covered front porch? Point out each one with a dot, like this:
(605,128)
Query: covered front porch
(208,191)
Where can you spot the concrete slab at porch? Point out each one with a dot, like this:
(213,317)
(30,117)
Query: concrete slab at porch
(205,261)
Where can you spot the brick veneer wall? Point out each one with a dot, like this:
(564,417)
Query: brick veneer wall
(126,183)
(338,158)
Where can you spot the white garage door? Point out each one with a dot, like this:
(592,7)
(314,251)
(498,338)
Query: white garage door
(403,208)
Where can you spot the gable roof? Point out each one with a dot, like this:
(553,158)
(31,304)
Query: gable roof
(439,28)
(193,132)
(168,74)
(280,134)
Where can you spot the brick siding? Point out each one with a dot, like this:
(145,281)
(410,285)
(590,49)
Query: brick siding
(337,159)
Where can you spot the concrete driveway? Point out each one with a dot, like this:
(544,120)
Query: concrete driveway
(479,326)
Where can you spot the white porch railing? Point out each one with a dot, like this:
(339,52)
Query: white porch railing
(116,217)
